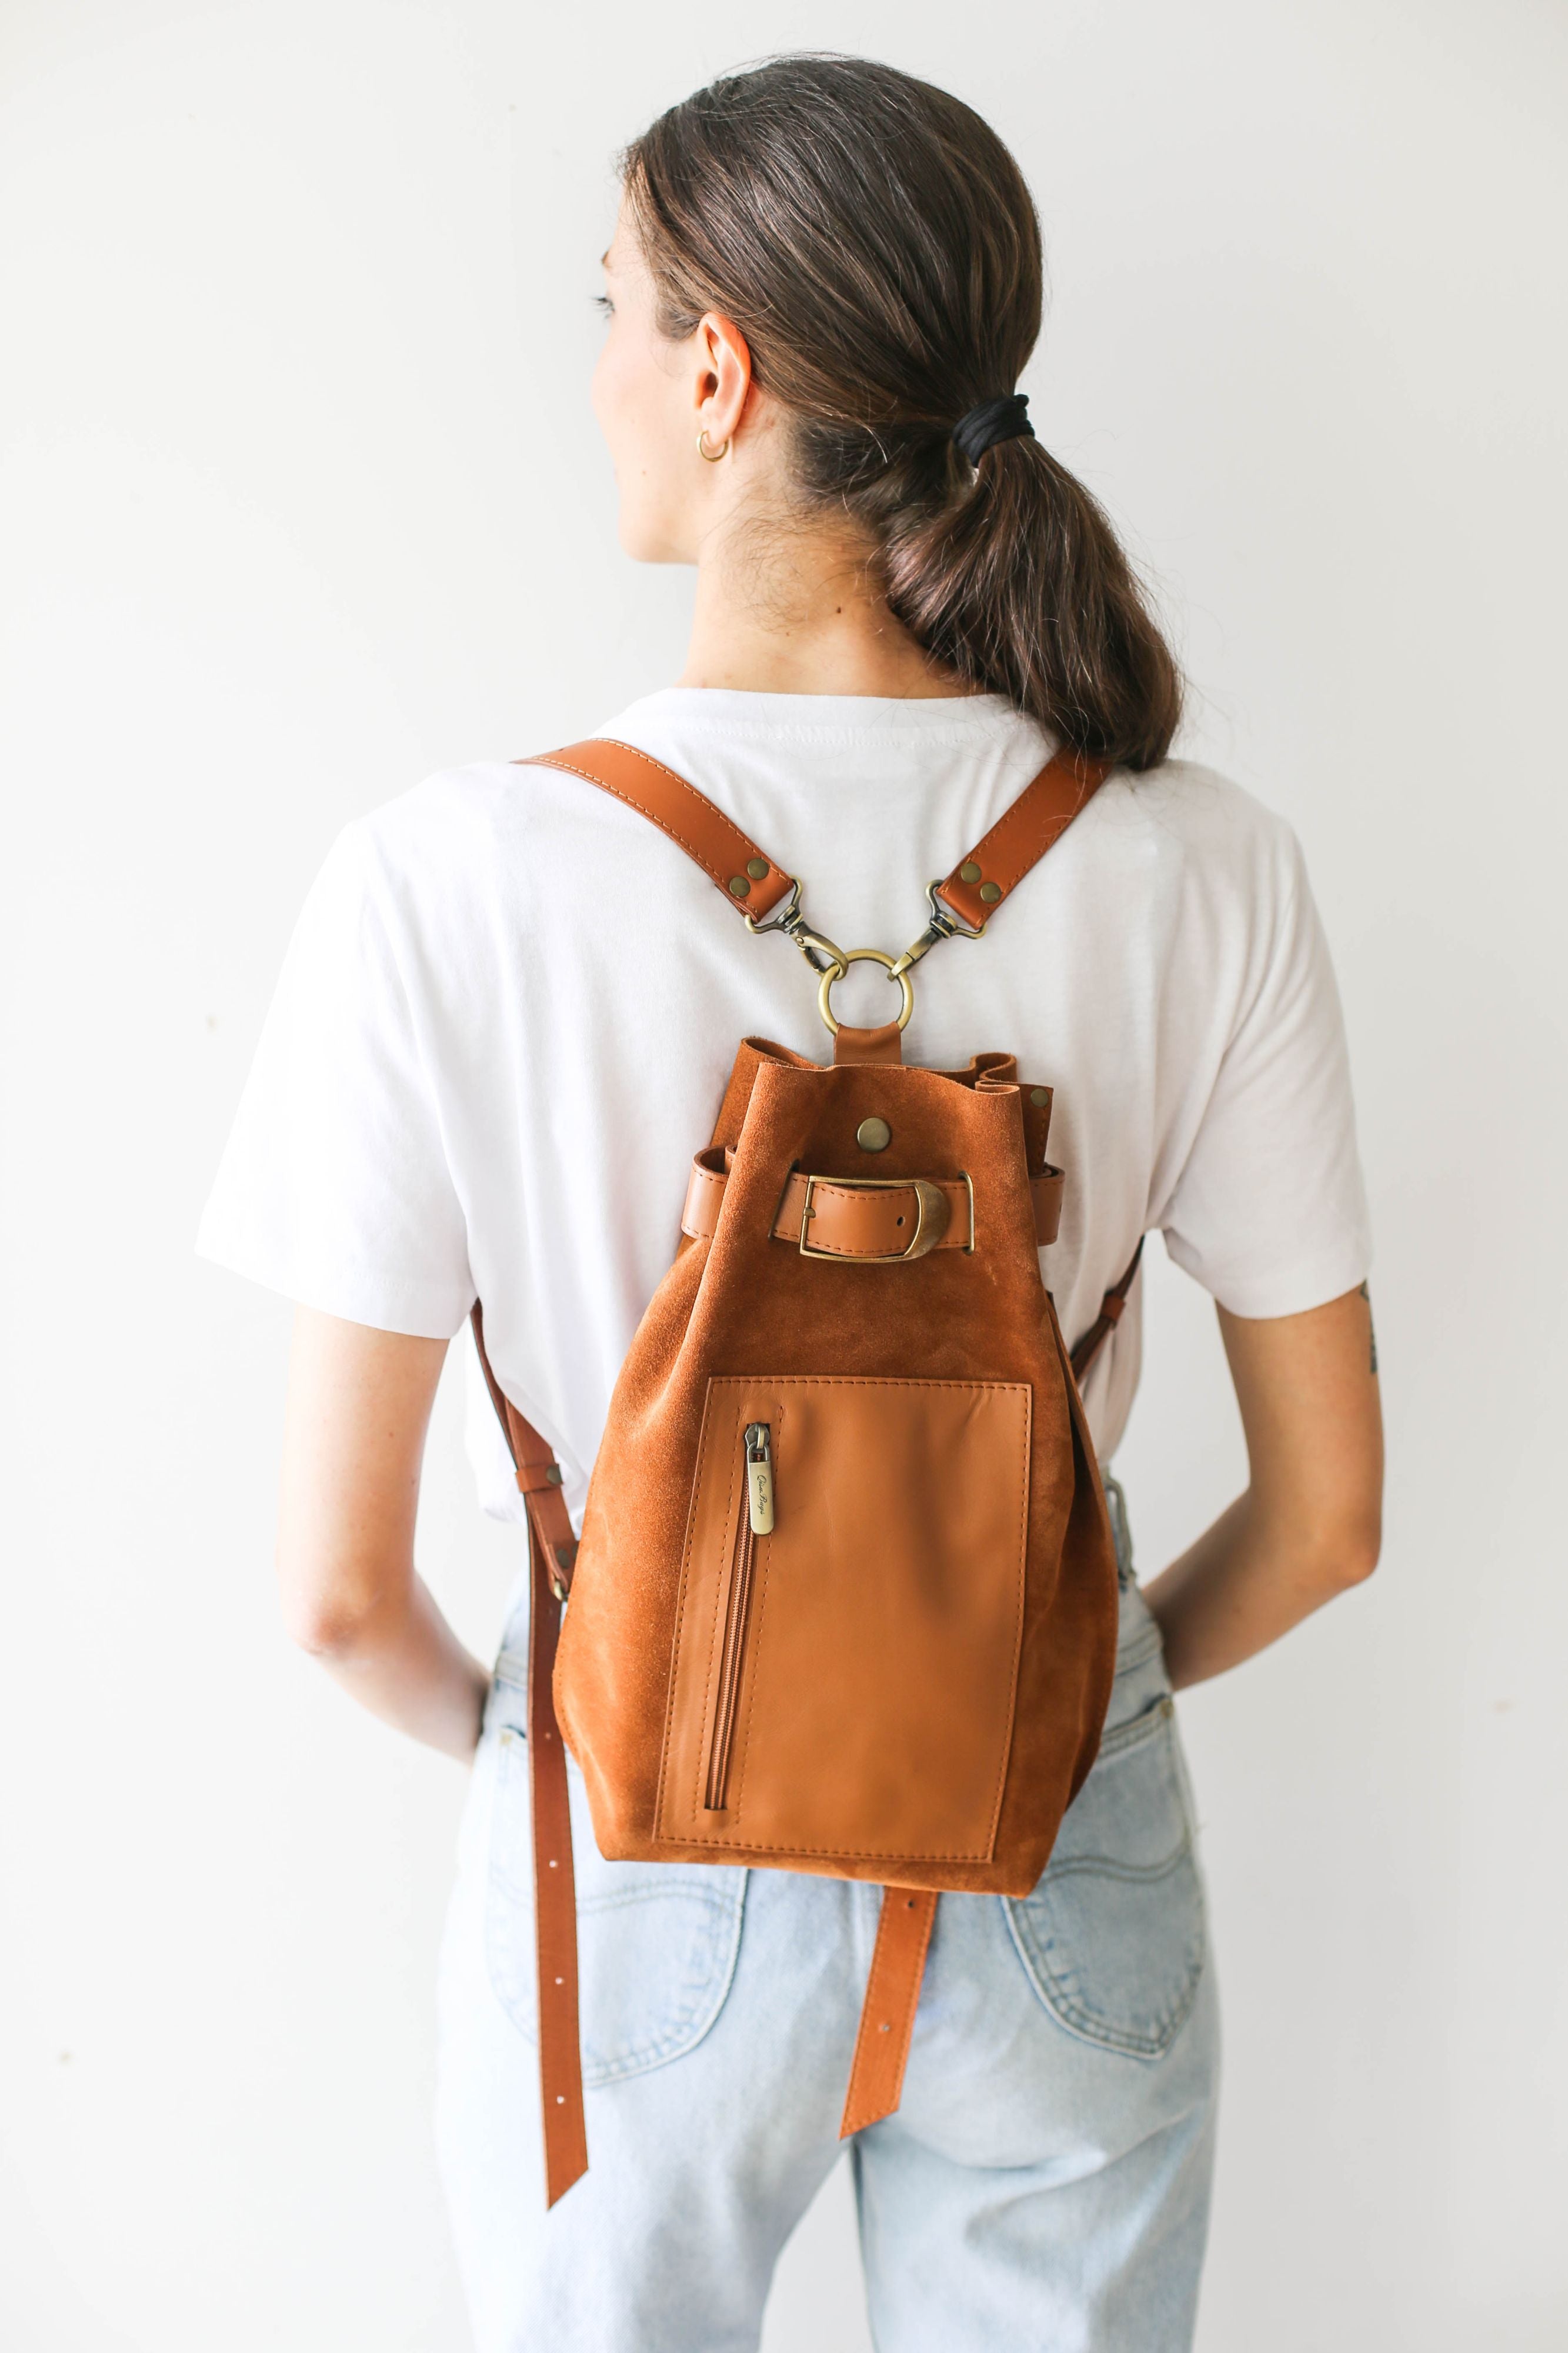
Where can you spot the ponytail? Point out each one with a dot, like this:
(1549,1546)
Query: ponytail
(1019,584)
(877,245)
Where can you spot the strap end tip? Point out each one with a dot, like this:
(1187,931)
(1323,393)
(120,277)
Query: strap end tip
(558,2183)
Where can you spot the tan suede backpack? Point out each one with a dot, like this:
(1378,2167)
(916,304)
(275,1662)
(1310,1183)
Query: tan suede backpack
(845,1599)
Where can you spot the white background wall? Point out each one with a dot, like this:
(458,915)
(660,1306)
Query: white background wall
(300,498)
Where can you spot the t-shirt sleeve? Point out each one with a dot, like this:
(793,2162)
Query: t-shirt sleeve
(335,1187)
(1270,1211)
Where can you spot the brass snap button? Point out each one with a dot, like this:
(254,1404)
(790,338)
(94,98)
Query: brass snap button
(1040,1097)
(969,871)
(873,1135)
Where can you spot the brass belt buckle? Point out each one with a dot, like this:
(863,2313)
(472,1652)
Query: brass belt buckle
(933,1208)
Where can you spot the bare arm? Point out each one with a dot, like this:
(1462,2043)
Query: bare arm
(353,1439)
(1310,1523)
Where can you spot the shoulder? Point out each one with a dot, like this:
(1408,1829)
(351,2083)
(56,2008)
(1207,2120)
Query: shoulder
(449,844)
(1185,810)
(458,816)
(446,818)
(1198,840)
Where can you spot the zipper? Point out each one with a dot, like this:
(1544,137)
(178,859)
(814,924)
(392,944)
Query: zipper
(756,1520)
(758,1445)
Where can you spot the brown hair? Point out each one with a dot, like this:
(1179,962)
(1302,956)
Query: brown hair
(877,246)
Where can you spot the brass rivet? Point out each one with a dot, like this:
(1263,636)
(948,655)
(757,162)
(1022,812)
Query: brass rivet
(969,871)
(1040,1097)
(739,887)
(757,868)
(873,1135)
(554,1475)
(990,893)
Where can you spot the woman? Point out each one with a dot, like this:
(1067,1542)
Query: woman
(504,1025)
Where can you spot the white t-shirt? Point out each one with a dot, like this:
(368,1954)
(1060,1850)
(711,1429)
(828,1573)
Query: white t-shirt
(506,1014)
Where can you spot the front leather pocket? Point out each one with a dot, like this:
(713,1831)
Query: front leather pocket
(844,1678)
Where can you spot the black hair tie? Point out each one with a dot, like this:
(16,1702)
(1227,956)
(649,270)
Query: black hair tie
(1005,420)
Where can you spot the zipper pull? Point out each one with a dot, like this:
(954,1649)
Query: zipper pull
(760,1478)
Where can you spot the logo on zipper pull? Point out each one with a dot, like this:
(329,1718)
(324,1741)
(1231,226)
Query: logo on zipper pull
(760,1478)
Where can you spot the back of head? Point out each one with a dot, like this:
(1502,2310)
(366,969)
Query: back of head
(876,244)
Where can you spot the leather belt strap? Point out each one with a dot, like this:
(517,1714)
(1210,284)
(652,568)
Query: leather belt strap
(551,1550)
(851,1219)
(888,2014)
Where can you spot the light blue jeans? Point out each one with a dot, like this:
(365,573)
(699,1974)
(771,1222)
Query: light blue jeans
(1044,2184)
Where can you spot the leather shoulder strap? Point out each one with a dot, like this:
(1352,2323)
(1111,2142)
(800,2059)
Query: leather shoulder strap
(1089,1346)
(745,874)
(755,883)
(1022,835)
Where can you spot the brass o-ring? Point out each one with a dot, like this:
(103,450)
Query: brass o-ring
(864,956)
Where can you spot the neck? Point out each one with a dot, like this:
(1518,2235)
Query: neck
(800,617)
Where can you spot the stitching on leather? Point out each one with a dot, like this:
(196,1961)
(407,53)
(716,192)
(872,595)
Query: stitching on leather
(828,1853)
(840,1193)
(673,774)
(680,1615)
(738,1764)
(735,1506)
(1007,1752)
(570,769)
(1018,818)
(860,1381)
(631,801)
(957,1196)
(696,1835)
(701,1185)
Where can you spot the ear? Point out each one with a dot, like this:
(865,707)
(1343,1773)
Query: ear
(724,376)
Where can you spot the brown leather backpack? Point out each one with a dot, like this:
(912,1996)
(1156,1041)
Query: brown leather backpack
(845,1600)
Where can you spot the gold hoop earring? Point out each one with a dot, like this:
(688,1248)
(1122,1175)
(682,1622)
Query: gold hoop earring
(712,456)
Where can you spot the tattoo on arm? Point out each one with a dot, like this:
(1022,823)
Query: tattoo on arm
(1371,1328)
